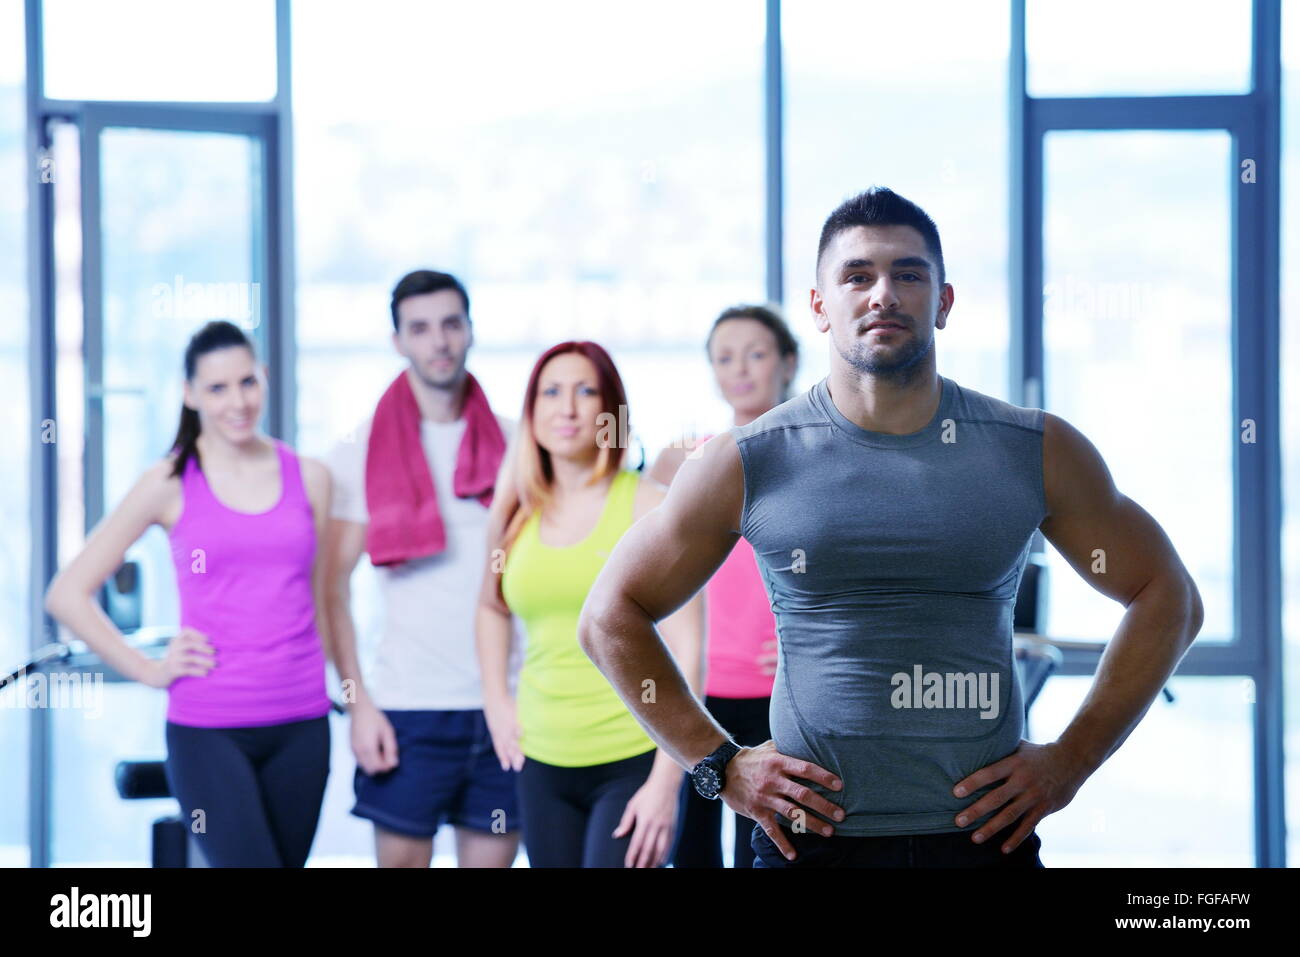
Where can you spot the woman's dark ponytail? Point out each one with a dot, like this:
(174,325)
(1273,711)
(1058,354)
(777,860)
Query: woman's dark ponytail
(186,444)
(218,334)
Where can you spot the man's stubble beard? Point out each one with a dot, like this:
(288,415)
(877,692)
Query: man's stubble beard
(451,380)
(900,368)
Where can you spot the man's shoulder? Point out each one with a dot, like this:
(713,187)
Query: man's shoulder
(973,406)
(796,412)
(350,446)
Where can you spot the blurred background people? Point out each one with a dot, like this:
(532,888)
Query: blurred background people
(247,716)
(413,486)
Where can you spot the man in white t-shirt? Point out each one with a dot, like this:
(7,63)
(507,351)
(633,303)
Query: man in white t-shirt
(424,755)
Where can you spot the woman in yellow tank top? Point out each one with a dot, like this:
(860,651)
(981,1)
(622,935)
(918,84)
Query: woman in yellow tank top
(593,789)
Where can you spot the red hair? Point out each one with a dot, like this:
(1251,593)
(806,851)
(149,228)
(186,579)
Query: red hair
(529,478)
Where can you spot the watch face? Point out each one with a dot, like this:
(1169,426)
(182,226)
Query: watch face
(707,781)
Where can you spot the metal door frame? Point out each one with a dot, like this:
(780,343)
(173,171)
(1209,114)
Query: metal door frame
(1253,120)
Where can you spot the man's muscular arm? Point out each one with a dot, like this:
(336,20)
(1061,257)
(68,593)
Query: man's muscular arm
(663,560)
(657,566)
(1094,526)
(1090,522)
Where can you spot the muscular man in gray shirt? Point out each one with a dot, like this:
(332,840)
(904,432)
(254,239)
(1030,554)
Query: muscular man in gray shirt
(891,512)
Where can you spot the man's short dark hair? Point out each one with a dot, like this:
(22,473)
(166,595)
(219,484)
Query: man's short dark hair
(422,281)
(881,206)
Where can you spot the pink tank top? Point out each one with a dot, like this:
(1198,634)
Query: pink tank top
(245,581)
(740,623)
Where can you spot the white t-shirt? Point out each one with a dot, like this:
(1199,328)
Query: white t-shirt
(426,657)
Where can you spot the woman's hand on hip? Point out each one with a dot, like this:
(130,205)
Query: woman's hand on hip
(187,655)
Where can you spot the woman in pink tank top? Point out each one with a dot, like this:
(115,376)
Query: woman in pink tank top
(247,718)
(754,359)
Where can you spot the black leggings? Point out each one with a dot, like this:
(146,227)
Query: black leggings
(568,814)
(260,789)
(699,820)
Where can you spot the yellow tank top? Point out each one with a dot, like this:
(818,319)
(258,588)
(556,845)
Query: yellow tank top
(569,714)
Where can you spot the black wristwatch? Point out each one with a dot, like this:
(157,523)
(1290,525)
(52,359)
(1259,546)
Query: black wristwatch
(710,775)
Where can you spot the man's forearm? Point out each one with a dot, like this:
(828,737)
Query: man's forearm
(624,645)
(344,638)
(1154,634)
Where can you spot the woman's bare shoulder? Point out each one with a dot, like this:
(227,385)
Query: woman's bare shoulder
(162,490)
(649,493)
(159,474)
(671,457)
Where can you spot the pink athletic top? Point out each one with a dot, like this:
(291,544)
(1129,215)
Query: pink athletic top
(740,622)
(245,582)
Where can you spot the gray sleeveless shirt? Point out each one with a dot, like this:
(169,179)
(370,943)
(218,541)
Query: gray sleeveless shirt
(892,564)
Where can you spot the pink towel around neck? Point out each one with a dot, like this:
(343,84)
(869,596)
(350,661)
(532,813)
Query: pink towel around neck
(404,520)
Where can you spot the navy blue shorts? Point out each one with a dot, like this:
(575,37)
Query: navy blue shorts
(447,771)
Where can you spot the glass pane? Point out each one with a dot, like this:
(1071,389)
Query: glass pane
(178,250)
(1291,413)
(69,331)
(160,50)
(179,239)
(1178,792)
(581,190)
(16,428)
(1137,332)
(932,128)
(1137,47)
(114,722)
